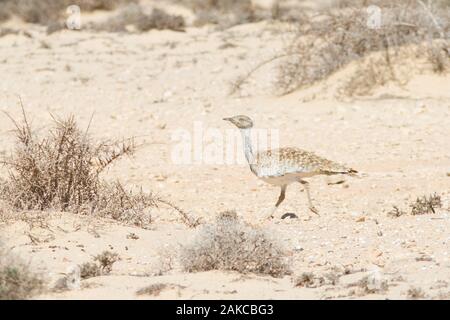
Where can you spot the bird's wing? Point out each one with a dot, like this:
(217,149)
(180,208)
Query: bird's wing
(278,162)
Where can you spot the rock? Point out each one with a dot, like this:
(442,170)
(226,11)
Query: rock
(289,215)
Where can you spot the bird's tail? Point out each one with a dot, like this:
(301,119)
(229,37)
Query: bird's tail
(356,174)
(352,172)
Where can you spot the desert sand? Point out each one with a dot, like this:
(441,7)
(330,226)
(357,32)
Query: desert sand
(149,85)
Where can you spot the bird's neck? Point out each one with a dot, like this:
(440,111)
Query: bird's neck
(247,143)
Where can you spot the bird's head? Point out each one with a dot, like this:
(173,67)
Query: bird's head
(242,122)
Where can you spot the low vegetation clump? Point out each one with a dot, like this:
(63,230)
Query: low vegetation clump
(306,279)
(310,280)
(229,244)
(396,212)
(328,44)
(61,171)
(426,205)
(156,289)
(89,270)
(17,281)
(52,14)
(134,17)
(3,16)
(422,205)
(152,290)
(415,293)
(101,265)
(49,11)
(225,13)
(370,285)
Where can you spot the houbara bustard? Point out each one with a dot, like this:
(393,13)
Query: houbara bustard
(284,166)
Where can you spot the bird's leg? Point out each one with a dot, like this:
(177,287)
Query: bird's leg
(280,200)
(311,206)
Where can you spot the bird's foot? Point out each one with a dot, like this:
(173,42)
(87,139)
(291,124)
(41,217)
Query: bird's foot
(313,209)
(269,214)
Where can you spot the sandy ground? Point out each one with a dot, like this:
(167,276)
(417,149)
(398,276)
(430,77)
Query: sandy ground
(151,85)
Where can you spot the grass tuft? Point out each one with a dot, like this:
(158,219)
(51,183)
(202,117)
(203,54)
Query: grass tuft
(17,281)
(422,205)
(101,265)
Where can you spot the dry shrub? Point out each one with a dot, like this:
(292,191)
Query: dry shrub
(160,20)
(156,288)
(426,205)
(306,279)
(17,281)
(35,11)
(329,278)
(106,260)
(369,285)
(225,13)
(101,265)
(422,205)
(61,171)
(131,207)
(8,31)
(4,15)
(408,30)
(373,73)
(332,38)
(228,13)
(89,270)
(229,244)
(91,5)
(310,280)
(152,290)
(329,43)
(396,212)
(133,15)
(415,293)
(50,11)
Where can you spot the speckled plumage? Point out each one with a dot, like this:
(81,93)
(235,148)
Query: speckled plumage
(284,161)
(284,166)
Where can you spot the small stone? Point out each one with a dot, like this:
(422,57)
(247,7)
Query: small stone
(289,215)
